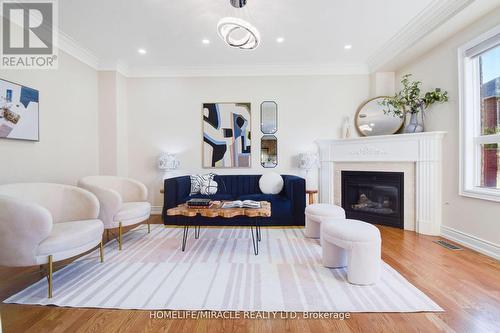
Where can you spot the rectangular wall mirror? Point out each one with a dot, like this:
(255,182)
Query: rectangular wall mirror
(269,117)
(269,151)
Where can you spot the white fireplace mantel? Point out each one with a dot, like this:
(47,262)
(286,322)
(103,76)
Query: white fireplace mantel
(425,149)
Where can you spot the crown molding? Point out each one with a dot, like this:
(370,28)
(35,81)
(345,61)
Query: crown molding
(248,70)
(433,16)
(116,66)
(122,68)
(73,48)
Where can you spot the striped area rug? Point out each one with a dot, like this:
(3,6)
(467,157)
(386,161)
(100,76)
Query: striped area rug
(220,272)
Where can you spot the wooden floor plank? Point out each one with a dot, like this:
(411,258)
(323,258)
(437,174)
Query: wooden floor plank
(465,283)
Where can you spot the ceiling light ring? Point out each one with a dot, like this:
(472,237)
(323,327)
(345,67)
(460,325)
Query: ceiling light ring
(237,43)
(225,32)
(234,42)
(229,25)
(250,46)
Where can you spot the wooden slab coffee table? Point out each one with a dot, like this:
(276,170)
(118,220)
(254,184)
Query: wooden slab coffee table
(215,210)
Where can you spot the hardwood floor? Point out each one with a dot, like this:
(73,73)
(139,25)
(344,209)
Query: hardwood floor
(465,283)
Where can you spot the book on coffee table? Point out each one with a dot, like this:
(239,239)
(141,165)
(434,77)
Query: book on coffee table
(199,203)
(241,204)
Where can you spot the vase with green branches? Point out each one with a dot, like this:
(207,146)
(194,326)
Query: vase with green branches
(411,100)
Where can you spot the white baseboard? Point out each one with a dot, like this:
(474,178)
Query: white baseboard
(156,210)
(472,242)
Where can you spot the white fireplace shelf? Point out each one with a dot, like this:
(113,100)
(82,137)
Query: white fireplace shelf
(424,149)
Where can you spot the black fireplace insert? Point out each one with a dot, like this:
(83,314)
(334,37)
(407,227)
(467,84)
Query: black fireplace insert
(374,197)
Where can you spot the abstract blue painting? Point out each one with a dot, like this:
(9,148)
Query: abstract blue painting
(226,135)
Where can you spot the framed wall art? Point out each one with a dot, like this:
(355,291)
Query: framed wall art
(19,114)
(226,135)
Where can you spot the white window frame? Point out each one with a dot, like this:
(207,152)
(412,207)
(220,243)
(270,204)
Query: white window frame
(470,116)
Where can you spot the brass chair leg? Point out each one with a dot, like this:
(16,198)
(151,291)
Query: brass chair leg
(101,252)
(49,276)
(120,236)
(149,227)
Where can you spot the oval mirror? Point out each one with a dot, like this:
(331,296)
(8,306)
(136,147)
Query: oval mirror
(269,117)
(269,151)
(371,119)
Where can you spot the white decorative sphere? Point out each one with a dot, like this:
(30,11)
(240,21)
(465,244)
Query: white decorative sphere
(271,183)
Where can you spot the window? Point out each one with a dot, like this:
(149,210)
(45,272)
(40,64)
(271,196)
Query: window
(479,66)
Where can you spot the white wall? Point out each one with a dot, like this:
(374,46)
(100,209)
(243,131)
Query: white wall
(113,124)
(107,115)
(165,116)
(122,126)
(439,68)
(68,147)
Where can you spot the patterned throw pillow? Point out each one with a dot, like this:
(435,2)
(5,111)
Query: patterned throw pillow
(209,187)
(197,180)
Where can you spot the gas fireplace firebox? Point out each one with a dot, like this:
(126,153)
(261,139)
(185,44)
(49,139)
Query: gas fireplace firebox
(374,197)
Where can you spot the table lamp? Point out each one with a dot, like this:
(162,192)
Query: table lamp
(309,161)
(168,162)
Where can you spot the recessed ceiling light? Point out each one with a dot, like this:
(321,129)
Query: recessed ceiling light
(205,41)
(348,46)
(280,39)
(142,51)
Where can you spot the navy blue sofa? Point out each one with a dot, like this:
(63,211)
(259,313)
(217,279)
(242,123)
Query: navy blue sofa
(287,207)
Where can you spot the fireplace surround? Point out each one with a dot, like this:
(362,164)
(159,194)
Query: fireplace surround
(421,151)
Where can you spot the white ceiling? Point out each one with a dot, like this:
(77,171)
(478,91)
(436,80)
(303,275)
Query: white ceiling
(171,31)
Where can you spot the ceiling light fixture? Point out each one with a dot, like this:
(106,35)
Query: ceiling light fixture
(238,33)
(205,41)
(142,51)
(280,39)
(348,46)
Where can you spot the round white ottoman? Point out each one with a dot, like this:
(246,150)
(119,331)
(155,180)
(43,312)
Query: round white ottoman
(316,212)
(354,244)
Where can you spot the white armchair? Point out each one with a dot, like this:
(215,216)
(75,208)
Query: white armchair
(41,223)
(123,202)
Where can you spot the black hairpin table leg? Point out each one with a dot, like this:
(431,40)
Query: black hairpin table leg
(255,239)
(197,231)
(185,236)
(259,232)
